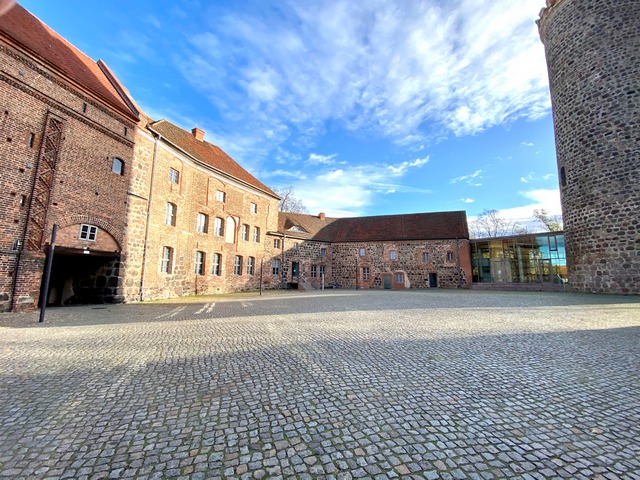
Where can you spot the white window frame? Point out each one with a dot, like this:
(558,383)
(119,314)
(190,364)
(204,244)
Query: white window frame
(166,262)
(275,266)
(251,265)
(237,265)
(362,251)
(199,262)
(425,257)
(366,274)
(244,232)
(276,243)
(202,223)
(221,196)
(254,207)
(216,262)
(88,232)
(399,277)
(174,175)
(256,234)
(218,227)
(170,214)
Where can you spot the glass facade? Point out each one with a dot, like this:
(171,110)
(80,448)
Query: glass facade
(537,258)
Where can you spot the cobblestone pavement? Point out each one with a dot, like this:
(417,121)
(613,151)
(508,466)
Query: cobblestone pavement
(336,385)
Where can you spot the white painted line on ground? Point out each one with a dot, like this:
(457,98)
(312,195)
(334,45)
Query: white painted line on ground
(204,307)
(211,308)
(177,311)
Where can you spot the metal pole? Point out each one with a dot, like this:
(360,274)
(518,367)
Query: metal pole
(261,265)
(47,274)
(357,253)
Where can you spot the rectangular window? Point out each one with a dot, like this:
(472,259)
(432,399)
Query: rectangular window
(392,254)
(553,244)
(251,265)
(295,246)
(254,207)
(198,265)
(256,234)
(220,196)
(362,251)
(166,264)
(276,243)
(323,252)
(321,270)
(88,232)
(31,140)
(237,265)
(244,234)
(218,227)
(365,273)
(399,278)
(202,224)
(117,166)
(217,264)
(174,175)
(450,256)
(170,214)
(275,266)
(314,271)
(425,257)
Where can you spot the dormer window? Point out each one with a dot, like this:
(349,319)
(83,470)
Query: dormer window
(297,228)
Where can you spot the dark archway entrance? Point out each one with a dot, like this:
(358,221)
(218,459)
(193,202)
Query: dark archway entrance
(81,278)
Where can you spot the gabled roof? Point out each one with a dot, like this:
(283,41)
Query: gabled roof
(58,54)
(207,153)
(413,226)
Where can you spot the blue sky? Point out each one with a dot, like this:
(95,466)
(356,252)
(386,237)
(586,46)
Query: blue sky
(366,108)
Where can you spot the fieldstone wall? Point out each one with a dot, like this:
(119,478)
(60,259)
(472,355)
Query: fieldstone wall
(593,56)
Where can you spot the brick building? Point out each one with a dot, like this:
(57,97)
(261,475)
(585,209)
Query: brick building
(197,220)
(66,146)
(391,251)
(592,55)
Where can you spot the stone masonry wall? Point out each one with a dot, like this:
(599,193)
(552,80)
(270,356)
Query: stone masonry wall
(592,49)
(194,193)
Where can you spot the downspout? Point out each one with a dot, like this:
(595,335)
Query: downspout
(146,229)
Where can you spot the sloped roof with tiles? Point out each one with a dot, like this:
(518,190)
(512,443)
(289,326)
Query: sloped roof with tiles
(58,54)
(413,226)
(207,153)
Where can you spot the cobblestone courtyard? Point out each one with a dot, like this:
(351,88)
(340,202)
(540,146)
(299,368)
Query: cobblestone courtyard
(344,384)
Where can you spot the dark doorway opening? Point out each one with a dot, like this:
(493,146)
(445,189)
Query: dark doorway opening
(386,281)
(433,280)
(79,278)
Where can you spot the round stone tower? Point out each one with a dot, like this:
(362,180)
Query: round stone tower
(593,57)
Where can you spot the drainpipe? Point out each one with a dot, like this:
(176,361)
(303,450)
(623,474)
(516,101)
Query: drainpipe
(146,230)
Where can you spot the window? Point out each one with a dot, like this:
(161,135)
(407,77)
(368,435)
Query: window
(365,273)
(125,130)
(362,251)
(251,265)
(218,227)
(553,244)
(295,246)
(31,140)
(220,196)
(425,257)
(174,175)
(321,270)
(84,108)
(88,232)
(563,177)
(314,271)
(392,254)
(237,265)
(275,266)
(256,234)
(450,256)
(254,207)
(399,278)
(202,225)
(217,264)
(170,214)
(297,228)
(276,243)
(198,265)
(244,234)
(166,264)
(323,252)
(117,166)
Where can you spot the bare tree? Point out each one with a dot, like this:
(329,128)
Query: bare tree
(289,202)
(489,223)
(553,223)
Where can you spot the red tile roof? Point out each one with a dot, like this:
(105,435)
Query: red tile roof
(413,226)
(40,40)
(207,153)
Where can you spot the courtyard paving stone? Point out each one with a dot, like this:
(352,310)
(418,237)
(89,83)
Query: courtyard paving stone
(332,385)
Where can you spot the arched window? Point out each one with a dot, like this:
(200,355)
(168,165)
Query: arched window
(117,166)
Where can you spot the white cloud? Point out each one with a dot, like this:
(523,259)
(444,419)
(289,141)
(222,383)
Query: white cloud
(390,66)
(284,173)
(526,144)
(469,179)
(398,170)
(467,200)
(316,159)
(532,178)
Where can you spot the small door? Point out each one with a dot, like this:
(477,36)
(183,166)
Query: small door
(433,280)
(386,281)
(295,267)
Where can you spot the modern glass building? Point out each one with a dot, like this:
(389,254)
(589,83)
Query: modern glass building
(531,258)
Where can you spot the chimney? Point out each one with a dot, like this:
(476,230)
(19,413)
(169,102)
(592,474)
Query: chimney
(199,134)
(321,215)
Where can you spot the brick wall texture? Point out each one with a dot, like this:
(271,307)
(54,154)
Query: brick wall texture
(593,56)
